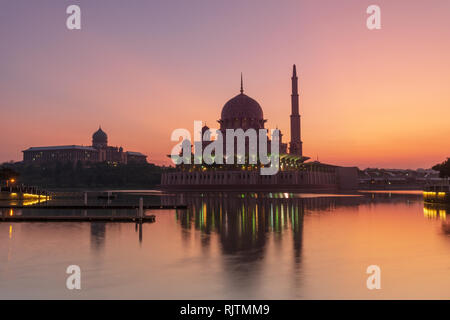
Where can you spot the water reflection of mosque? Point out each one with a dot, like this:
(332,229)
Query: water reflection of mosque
(245,223)
(242,220)
(252,213)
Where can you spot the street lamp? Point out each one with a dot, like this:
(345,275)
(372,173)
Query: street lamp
(12,180)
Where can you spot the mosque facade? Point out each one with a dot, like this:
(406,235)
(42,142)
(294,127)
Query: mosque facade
(295,171)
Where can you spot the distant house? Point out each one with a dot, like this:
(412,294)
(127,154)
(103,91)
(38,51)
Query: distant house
(385,177)
(136,157)
(98,152)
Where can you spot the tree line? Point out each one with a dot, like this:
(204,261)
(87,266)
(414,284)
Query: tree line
(80,175)
(102,174)
(443,168)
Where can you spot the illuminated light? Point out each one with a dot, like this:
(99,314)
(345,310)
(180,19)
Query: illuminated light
(12,180)
(10,231)
(253,224)
(204,213)
(13,194)
(34,196)
(430,213)
(429,193)
(11,212)
(32,202)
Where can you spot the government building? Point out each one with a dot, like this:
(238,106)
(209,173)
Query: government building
(98,152)
(295,171)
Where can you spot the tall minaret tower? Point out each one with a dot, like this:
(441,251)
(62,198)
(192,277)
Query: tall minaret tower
(295,147)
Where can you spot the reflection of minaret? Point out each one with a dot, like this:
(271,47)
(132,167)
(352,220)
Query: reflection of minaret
(296,142)
(297,211)
(243,222)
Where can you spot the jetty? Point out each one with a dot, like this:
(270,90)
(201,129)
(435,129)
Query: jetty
(437,193)
(23,192)
(134,219)
(32,198)
(94,206)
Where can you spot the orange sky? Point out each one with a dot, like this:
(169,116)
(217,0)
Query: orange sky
(368,98)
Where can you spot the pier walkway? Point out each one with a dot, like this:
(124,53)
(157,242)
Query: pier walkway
(99,206)
(149,218)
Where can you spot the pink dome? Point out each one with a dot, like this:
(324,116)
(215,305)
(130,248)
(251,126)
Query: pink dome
(242,107)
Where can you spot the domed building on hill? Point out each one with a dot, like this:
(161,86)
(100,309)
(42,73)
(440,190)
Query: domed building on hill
(98,152)
(295,173)
(99,139)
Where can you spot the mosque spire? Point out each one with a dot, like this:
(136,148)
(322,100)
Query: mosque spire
(296,144)
(242,84)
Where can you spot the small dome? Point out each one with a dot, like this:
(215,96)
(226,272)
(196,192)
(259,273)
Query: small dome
(100,136)
(208,134)
(242,107)
(205,128)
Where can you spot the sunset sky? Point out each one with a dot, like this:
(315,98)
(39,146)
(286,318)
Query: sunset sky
(141,69)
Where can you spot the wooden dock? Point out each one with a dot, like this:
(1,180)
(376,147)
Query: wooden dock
(94,206)
(144,219)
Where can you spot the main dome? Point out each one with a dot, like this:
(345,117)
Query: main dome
(242,107)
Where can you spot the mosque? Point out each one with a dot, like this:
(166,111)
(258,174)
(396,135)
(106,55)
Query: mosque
(295,172)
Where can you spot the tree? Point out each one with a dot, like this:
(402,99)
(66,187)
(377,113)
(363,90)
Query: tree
(443,168)
(59,174)
(7,174)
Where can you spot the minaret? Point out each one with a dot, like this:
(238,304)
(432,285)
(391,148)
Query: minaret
(242,84)
(295,146)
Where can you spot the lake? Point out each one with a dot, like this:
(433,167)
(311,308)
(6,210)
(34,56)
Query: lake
(237,246)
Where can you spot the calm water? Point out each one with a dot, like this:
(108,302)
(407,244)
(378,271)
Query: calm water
(234,246)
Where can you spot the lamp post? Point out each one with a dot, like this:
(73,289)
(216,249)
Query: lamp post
(10,181)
